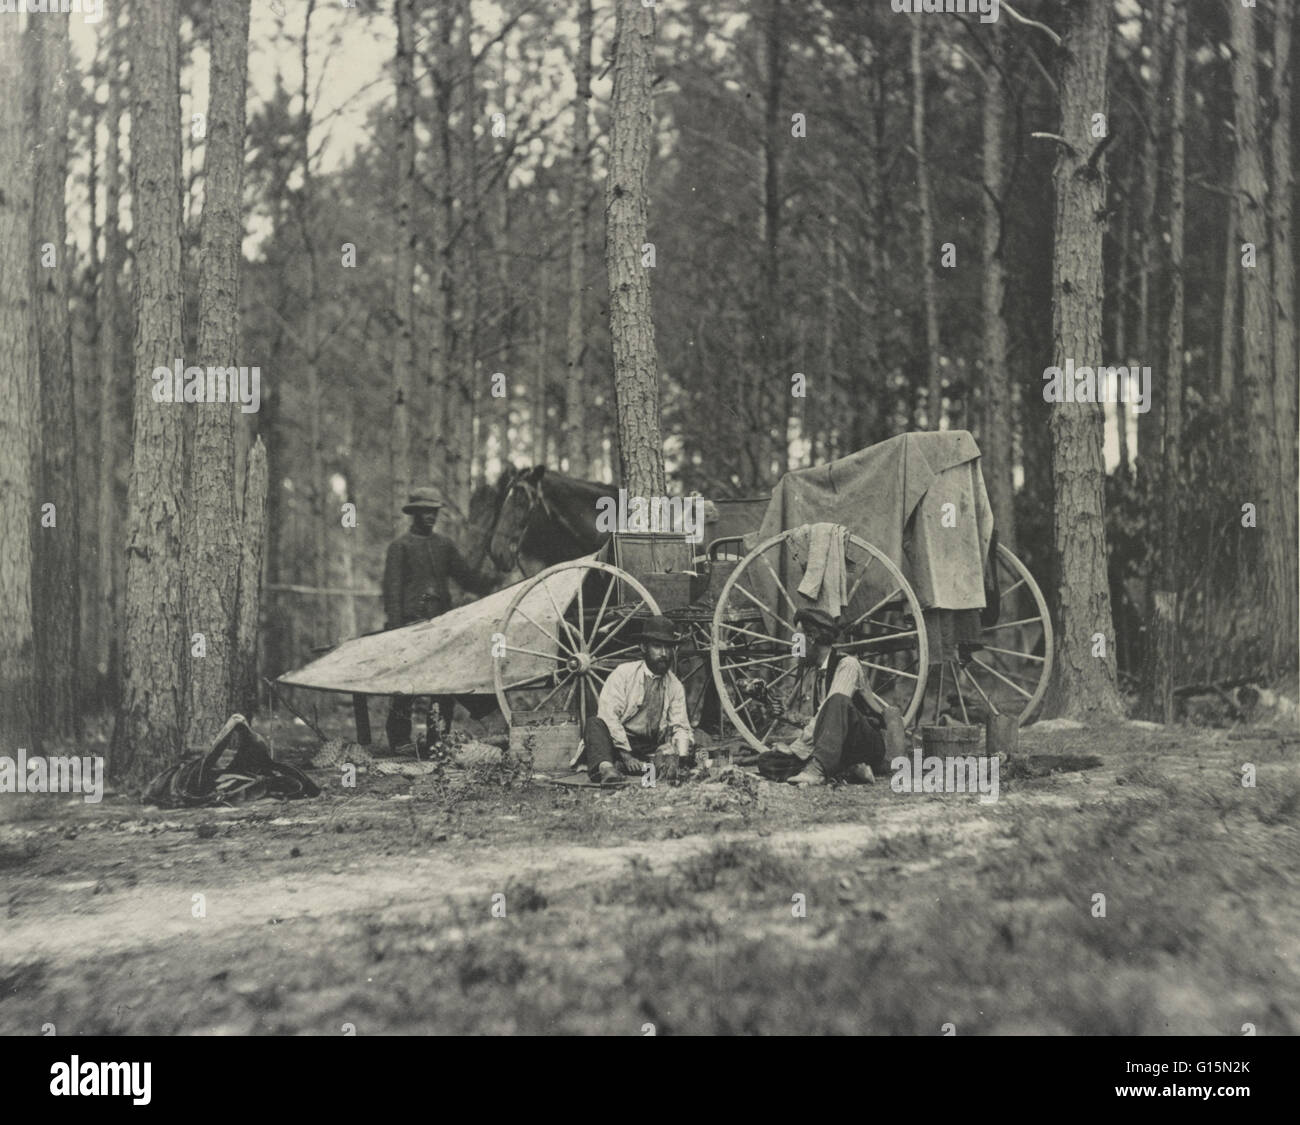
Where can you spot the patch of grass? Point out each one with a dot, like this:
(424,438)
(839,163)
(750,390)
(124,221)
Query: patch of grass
(19,854)
(26,978)
(524,897)
(481,961)
(1278,803)
(758,867)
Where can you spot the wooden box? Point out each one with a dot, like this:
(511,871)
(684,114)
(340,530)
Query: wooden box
(553,743)
(671,591)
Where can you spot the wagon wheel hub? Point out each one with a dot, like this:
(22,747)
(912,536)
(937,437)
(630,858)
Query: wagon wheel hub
(581,663)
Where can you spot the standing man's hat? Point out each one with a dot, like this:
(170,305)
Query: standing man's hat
(819,617)
(423,498)
(660,629)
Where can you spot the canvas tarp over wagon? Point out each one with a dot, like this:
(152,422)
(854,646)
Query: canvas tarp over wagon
(448,655)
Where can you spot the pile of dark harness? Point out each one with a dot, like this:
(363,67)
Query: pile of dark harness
(238,768)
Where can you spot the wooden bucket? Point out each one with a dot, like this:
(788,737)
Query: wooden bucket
(956,741)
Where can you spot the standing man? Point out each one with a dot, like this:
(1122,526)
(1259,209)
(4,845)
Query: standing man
(415,589)
(843,736)
(642,710)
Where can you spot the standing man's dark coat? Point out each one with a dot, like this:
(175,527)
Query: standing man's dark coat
(415,577)
(416,573)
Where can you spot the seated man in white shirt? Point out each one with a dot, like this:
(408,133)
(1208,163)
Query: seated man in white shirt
(642,710)
(842,738)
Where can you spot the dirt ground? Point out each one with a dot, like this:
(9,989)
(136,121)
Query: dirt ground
(730,906)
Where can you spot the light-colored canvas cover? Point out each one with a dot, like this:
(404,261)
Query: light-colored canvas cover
(892,494)
(449,655)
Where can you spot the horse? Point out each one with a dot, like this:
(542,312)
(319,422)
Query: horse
(544,517)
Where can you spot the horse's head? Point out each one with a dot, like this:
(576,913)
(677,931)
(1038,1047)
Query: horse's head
(484,506)
(520,495)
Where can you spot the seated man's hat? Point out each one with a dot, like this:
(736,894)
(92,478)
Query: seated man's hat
(660,629)
(819,617)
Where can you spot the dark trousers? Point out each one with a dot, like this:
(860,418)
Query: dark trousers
(599,747)
(843,737)
(398,724)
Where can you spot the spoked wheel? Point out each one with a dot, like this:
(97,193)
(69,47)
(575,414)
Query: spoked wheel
(550,662)
(1007,671)
(760,679)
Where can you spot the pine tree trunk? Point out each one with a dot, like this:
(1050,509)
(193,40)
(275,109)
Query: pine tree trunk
(1149,424)
(933,386)
(472,464)
(1269,466)
(631,326)
(403,339)
(1162,636)
(93,621)
(1286,377)
(498,411)
(1230,316)
(1084,683)
(212,539)
(18,415)
(318,491)
(151,722)
(114,385)
(252,543)
(537,400)
(439,438)
(575,345)
(820,410)
(56,579)
(346,554)
(1121,330)
(770,378)
(1281,211)
(999,404)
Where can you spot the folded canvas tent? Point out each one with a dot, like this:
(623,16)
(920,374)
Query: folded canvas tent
(449,655)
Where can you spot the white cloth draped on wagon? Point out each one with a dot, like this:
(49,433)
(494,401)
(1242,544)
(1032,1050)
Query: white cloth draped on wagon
(895,496)
(449,655)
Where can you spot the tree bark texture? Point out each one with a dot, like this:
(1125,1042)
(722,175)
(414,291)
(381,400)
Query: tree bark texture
(18,413)
(999,403)
(933,385)
(636,375)
(1268,467)
(212,543)
(403,339)
(56,579)
(114,385)
(770,379)
(575,345)
(1084,683)
(1149,424)
(470,208)
(1163,636)
(252,545)
(151,721)
(1286,375)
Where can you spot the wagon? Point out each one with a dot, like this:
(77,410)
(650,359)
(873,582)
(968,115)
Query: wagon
(896,541)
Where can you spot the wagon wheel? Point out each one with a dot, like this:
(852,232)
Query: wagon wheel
(755,666)
(1007,671)
(542,672)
